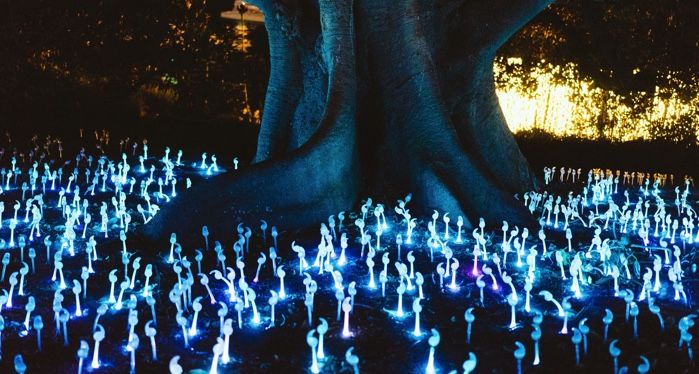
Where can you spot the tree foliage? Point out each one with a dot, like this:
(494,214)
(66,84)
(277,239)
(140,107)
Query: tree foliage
(176,52)
(624,45)
(642,58)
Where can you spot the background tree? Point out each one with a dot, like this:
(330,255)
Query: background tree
(643,51)
(96,59)
(622,45)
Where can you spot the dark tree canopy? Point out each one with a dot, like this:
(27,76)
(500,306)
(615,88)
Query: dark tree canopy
(624,45)
(380,97)
(74,57)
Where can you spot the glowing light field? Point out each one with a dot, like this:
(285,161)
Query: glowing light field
(606,280)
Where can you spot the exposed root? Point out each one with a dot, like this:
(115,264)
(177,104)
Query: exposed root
(481,127)
(285,81)
(445,171)
(301,187)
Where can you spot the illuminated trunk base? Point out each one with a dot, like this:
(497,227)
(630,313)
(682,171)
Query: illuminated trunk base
(374,98)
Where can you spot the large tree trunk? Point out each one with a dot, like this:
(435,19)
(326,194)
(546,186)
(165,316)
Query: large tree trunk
(380,97)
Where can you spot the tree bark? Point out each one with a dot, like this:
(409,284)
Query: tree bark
(284,87)
(374,97)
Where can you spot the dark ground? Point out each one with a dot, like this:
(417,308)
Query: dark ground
(381,341)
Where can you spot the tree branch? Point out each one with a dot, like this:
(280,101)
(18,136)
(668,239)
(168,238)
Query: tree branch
(485,25)
(503,18)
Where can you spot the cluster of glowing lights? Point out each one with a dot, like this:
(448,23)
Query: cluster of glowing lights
(558,100)
(510,269)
